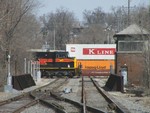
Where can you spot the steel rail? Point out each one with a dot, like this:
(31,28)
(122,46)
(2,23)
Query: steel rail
(22,108)
(22,95)
(78,104)
(118,107)
(83,100)
(58,108)
(13,99)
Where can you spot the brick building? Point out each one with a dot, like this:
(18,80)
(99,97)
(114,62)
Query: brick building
(130,43)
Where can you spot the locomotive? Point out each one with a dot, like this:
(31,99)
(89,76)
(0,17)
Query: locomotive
(55,63)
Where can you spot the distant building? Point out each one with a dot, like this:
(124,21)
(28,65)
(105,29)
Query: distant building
(130,43)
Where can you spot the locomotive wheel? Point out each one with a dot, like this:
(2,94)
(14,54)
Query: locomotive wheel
(60,74)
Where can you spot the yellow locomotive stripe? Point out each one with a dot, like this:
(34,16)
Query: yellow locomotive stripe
(75,63)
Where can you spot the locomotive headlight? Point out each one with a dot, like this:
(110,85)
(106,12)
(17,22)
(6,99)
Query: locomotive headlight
(61,60)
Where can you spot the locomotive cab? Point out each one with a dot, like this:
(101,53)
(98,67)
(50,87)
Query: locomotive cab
(56,63)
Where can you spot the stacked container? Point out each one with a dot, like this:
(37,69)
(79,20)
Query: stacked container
(96,59)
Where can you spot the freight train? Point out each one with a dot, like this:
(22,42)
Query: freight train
(55,63)
(77,59)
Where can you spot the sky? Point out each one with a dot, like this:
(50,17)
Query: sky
(78,6)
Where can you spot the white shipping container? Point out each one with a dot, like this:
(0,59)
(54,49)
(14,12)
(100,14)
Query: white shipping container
(92,51)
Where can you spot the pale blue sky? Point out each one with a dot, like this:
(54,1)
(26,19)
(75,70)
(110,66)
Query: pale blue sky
(78,6)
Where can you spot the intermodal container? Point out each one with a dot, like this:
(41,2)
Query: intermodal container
(96,67)
(96,59)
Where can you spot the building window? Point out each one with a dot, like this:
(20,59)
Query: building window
(130,45)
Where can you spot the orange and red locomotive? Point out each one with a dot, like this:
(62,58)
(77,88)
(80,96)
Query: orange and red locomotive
(55,63)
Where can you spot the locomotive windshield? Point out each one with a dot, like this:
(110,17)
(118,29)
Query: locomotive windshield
(51,54)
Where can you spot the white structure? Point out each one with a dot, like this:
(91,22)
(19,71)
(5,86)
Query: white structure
(92,51)
(8,87)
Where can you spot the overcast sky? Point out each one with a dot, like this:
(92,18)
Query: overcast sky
(78,6)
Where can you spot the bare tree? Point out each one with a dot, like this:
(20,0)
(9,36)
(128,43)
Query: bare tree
(94,17)
(27,36)
(96,30)
(57,28)
(140,15)
(119,17)
(12,16)
(93,34)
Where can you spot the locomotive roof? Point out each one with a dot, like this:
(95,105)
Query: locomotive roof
(45,50)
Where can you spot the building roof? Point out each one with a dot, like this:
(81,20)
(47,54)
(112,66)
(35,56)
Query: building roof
(133,30)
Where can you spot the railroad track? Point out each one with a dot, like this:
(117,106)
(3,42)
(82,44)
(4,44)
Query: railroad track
(92,101)
(99,99)
(21,102)
(17,104)
(66,105)
(46,97)
(51,97)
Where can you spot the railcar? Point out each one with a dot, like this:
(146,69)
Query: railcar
(56,63)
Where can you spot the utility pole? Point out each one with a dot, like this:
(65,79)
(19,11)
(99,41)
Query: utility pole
(25,65)
(54,34)
(128,12)
(149,9)
(54,38)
